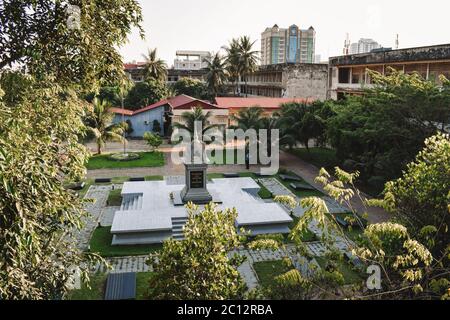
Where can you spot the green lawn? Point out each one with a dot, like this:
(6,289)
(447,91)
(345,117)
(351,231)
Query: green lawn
(148,159)
(97,291)
(115,180)
(320,157)
(299,193)
(101,244)
(98,286)
(154,178)
(114,198)
(215,176)
(268,270)
(264,193)
(142,285)
(350,275)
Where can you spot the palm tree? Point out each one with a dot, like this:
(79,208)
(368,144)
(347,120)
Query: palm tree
(249,118)
(191,117)
(217,74)
(248,59)
(100,124)
(299,123)
(232,63)
(269,124)
(155,68)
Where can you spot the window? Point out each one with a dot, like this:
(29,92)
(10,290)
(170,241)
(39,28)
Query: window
(344,75)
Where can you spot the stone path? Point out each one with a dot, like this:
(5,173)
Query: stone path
(124,264)
(107,216)
(98,195)
(248,274)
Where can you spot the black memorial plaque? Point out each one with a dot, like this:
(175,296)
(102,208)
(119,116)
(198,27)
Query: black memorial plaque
(197,180)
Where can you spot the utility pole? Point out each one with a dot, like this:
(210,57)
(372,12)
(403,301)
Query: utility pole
(397,43)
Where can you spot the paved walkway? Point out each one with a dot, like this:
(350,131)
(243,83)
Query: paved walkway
(249,275)
(98,196)
(124,264)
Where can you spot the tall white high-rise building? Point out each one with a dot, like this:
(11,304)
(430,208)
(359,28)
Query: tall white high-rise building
(292,45)
(363,46)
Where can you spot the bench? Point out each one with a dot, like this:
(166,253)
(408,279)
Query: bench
(231,175)
(342,221)
(103,180)
(286,177)
(76,186)
(137,179)
(259,174)
(301,186)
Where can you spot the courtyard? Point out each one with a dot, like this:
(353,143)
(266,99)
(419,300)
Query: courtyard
(260,266)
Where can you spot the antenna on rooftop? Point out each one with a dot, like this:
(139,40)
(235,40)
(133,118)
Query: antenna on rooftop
(347,45)
(397,42)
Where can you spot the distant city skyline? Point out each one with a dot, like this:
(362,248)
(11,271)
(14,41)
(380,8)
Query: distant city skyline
(208,25)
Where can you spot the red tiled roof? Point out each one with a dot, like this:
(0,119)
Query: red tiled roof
(121,111)
(263,102)
(136,65)
(175,102)
(181,100)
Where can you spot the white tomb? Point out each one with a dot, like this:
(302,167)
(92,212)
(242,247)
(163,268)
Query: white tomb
(148,214)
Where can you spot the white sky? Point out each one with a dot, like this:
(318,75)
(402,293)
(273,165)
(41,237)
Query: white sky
(172,25)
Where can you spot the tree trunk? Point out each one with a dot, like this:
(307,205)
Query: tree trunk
(246,88)
(99,148)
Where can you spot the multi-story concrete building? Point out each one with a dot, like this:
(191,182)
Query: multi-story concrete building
(307,81)
(363,46)
(191,60)
(292,45)
(349,74)
(135,71)
(173,75)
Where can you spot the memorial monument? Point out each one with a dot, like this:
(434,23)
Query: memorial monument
(196,188)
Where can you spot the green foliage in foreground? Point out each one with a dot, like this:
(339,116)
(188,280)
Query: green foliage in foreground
(37,37)
(421,198)
(37,212)
(147,159)
(379,133)
(199,267)
(101,244)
